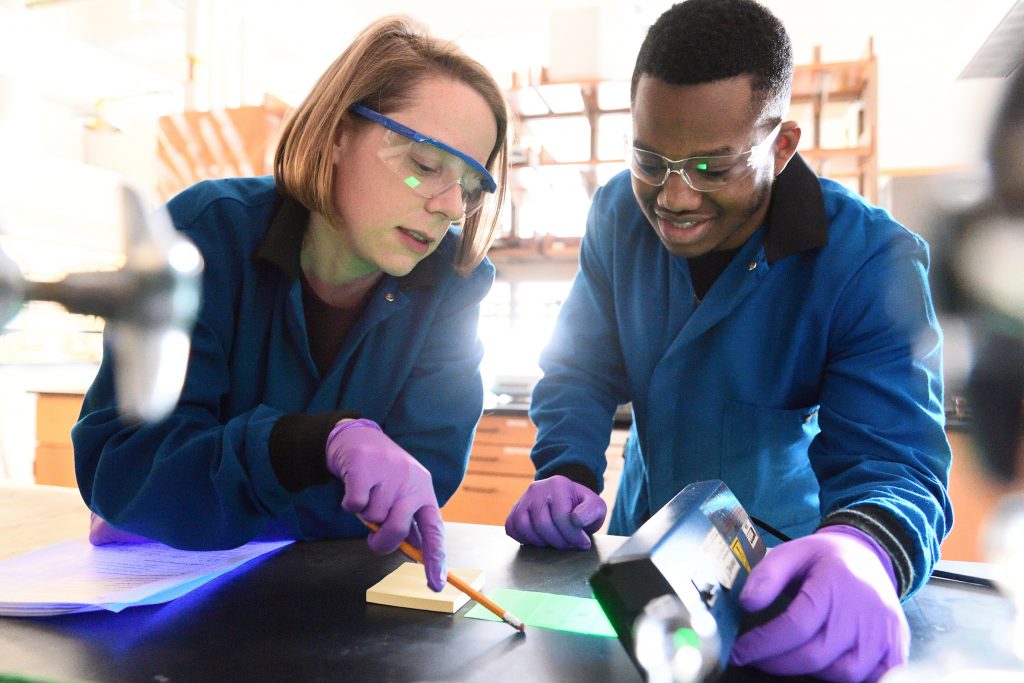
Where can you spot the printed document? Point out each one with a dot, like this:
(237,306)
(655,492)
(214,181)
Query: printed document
(75,576)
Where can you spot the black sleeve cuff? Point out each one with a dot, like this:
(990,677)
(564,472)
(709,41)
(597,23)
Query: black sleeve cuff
(298,445)
(580,474)
(881,525)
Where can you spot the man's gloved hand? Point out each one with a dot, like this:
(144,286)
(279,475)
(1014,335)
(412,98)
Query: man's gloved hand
(557,512)
(101,533)
(387,486)
(845,623)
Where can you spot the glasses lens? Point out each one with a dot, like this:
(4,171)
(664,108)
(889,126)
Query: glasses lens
(431,171)
(648,167)
(712,173)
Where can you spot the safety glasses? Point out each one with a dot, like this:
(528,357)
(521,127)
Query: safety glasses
(428,166)
(703,174)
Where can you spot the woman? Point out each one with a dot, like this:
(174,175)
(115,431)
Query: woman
(336,358)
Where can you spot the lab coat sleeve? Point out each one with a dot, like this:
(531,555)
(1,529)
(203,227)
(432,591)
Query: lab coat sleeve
(882,443)
(436,412)
(193,480)
(573,404)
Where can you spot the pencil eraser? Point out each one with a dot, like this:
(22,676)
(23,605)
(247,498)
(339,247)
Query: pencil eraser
(407,587)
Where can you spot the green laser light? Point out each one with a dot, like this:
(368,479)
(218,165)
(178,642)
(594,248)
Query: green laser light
(412,181)
(685,637)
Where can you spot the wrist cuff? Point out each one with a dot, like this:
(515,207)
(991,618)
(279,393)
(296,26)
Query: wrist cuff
(346,423)
(883,528)
(581,474)
(297,445)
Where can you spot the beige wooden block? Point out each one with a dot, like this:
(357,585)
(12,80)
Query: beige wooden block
(407,587)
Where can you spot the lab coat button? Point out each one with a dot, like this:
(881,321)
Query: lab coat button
(389,297)
(752,265)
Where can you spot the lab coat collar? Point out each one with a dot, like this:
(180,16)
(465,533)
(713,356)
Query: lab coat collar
(796,217)
(282,245)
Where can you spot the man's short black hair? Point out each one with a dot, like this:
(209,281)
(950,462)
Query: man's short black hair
(699,41)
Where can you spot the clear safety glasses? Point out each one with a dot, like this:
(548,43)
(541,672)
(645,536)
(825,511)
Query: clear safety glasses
(703,174)
(428,166)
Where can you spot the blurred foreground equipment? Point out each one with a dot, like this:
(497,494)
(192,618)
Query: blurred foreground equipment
(987,279)
(150,306)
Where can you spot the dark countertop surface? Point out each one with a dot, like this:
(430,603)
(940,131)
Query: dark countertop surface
(300,615)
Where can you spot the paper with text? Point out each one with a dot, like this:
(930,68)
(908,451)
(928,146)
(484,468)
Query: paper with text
(75,576)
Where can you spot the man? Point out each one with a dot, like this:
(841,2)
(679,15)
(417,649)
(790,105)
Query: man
(771,329)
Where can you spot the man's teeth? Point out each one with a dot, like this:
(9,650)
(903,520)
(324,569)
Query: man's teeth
(419,237)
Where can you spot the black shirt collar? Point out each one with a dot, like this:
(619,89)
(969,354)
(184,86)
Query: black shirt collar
(282,246)
(796,217)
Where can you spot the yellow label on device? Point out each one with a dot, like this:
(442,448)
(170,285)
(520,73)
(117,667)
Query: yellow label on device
(737,549)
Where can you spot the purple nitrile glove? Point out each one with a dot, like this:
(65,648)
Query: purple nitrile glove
(387,486)
(557,512)
(845,623)
(101,533)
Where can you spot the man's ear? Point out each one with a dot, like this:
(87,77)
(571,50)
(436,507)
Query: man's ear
(785,144)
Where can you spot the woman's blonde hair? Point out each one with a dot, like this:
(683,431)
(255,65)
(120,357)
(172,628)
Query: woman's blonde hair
(380,69)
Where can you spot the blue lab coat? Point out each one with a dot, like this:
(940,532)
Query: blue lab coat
(808,378)
(203,477)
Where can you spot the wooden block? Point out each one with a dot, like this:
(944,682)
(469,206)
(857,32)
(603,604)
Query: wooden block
(407,587)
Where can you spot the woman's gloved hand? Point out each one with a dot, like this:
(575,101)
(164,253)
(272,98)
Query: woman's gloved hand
(845,622)
(557,512)
(387,486)
(101,533)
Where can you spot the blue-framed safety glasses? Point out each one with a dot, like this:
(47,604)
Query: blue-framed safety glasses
(428,166)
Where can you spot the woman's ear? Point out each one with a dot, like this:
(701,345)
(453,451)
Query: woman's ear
(341,135)
(785,144)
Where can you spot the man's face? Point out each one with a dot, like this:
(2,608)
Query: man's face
(709,119)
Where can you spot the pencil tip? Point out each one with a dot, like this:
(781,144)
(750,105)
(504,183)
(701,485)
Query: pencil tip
(515,623)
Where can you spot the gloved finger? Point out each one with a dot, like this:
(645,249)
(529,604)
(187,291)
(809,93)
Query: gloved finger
(543,522)
(101,533)
(590,513)
(852,667)
(519,526)
(878,672)
(392,530)
(386,500)
(815,655)
(781,567)
(414,538)
(879,649)
(799,624)
(358,486)
(430,527)
(561,515)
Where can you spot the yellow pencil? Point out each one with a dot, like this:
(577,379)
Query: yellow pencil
(414,553)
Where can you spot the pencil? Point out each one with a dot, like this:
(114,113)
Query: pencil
(414,553)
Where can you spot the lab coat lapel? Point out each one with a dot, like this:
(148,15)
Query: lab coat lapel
(386,300)
(735,283)
(667,389)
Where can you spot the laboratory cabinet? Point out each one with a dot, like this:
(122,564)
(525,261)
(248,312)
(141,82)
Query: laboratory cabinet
(56,413)
(500,470)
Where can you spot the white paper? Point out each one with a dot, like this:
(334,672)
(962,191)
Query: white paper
(75,576)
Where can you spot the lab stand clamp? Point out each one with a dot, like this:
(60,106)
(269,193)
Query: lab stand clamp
(150,305)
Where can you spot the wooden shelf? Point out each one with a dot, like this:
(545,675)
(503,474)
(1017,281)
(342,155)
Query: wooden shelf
(835,103)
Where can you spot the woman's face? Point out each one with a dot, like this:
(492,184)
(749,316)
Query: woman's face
(385,225)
